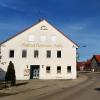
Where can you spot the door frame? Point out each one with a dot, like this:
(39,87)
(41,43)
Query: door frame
(32,67)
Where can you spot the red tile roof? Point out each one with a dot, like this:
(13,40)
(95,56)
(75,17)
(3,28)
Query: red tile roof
(97,58)
(88,62)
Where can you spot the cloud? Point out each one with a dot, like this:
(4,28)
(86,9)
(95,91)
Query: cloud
(18,6)
(4,5)
(77,27)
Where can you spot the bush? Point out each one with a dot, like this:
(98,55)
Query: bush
(10,74)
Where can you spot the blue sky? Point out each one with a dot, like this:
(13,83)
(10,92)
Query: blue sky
(78,19)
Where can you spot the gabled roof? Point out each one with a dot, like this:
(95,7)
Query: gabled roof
(19,32)
(97,57)
(33,26)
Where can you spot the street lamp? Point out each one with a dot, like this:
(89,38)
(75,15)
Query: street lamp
(78,54)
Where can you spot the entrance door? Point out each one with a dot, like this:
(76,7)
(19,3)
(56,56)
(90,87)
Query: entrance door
(34,71)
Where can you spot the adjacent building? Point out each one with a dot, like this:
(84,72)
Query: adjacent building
(95,63)
(39,52)
(81,66)
(92,64)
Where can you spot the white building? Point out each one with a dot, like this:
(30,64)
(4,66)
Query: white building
(40,51)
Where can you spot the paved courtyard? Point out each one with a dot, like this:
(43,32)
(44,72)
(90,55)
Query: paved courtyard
(35,88)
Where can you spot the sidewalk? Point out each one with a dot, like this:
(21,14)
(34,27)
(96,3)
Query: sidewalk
(35,88)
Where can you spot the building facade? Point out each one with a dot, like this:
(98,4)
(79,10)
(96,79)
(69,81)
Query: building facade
(95,63)
(39,52)
(81,66)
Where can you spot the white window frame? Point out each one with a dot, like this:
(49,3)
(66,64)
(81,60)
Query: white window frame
(10,53)
(48,71)
(59,71)
(70,69)
(48,55)
(54,38)
(24,56)
(58,53)
(31,38)
(42,38)
(36,53)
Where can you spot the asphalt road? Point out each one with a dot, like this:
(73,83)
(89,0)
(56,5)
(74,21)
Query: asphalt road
(88,90)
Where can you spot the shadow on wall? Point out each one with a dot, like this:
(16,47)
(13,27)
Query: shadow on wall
(2,74)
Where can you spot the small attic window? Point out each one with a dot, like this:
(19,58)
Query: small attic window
(53,38)
(43,38)
(31,38)
(43,28)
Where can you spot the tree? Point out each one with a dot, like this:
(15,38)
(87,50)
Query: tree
(10,74)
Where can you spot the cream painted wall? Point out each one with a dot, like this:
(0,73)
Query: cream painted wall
(19,43)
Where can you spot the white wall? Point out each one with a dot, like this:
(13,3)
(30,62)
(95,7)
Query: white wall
(20,41)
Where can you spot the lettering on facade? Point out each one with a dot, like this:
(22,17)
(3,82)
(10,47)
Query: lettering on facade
(42,45)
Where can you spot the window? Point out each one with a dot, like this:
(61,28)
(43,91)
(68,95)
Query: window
(48,69)
(11,54)
(43,38)
(36,53)
(53,38)
(48,53)
(31,38)
(69,69)
(24,53)
(44,28)
(58,69)
(59,54)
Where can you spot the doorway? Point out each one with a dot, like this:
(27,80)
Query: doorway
(34,71)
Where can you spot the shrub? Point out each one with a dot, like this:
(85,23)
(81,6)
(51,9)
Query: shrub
(10,74)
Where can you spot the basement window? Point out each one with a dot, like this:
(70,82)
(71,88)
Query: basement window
(69,69)
(58,69)
(48,69)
